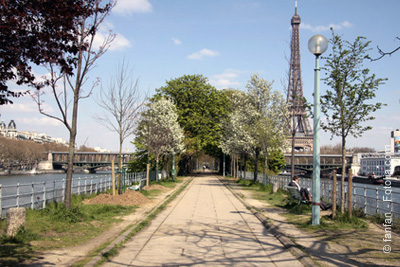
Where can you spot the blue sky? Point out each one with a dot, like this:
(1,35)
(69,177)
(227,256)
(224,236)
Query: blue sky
(227,41)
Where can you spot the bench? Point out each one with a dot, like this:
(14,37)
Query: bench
(295,194)
(139,186)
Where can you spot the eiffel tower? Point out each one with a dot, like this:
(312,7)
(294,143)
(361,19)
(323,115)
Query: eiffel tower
(300,123)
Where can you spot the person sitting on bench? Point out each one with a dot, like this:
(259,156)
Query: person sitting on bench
(304,193)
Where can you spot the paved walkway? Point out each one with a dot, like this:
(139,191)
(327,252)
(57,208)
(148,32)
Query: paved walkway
(205,225)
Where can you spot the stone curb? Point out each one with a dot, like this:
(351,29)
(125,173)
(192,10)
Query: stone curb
(122,237)
(301,256)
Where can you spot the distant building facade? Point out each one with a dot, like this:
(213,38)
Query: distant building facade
(379,164)
(10,131)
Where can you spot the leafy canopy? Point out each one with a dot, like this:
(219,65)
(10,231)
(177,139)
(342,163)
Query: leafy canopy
(347,103)
(200,108)
(39,32)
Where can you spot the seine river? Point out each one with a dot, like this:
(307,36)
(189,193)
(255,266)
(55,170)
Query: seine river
(39,178)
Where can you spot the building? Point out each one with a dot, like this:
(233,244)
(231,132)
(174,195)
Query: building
(10,131)
(395,141)
(379,164)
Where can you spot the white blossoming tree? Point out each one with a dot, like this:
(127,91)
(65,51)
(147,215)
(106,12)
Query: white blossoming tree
(236,139)
(268,128)
(162,134)
(256,125)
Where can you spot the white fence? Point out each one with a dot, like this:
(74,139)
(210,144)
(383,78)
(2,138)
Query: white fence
(371,199)
(37,194)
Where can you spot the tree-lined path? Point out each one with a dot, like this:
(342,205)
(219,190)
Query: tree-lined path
(205,225)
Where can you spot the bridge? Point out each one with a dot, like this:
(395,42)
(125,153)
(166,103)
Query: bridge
(304,162)
(93,160)
(85,160)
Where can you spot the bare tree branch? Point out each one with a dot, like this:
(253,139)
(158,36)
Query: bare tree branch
(121,102)
(382,53)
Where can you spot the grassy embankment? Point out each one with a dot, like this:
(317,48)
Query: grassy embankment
(56,227)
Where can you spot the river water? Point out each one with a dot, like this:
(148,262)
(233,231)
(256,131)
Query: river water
(39,178)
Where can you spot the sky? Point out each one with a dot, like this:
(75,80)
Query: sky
(227,41)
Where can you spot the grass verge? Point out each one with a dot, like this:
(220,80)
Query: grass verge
(57,227)
(356,238)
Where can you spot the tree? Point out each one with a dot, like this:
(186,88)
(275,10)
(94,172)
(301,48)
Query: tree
(268,130)
(122,104)
(38,32)
(276,161)
(347,104)
(235,138)
(201,108)
(161,133)
(73,77)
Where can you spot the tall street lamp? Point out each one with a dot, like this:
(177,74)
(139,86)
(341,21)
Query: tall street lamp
(317,45)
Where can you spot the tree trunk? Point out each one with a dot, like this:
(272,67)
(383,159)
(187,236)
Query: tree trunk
(293,138)
(334,195)
(256,165)
(237,167)
(343,202)
(157,160)
(350,194)
(71,152)
(266,170)
(70,170)
(292,156)
(245,166)
(120,169)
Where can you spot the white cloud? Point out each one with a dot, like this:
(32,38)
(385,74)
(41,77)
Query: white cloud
(126,7)
(18,108)
(203,53)
(226,79)
(324,28)
(119,43)
(34,122)
(176,41)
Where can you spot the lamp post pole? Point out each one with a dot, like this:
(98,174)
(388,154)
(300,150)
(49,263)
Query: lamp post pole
(316,150)
(317,45)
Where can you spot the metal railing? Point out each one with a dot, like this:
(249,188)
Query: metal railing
(371,200)
(36,195)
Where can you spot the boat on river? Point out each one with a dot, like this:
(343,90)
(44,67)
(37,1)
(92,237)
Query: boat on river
(369,179)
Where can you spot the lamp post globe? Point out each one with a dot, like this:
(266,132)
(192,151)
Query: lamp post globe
(317,45)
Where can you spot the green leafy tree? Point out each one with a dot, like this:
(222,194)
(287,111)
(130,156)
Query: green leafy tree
(347,104)
(201,108)
(276,161)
